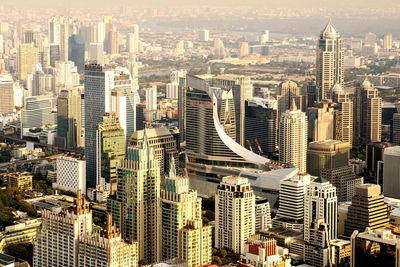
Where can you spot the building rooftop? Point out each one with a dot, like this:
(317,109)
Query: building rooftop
(392,151)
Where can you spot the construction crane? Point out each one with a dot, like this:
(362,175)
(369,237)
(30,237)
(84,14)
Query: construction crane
(248,142)
(259,147)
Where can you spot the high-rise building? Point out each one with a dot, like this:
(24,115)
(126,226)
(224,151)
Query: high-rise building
(367,114)
(291,202)
(7,87)
(59,31)
(28,57)
(396,129)
(98,84)
(109,244)
(219,49)
(110,150)
(391,172)
(264,38)
(343,115)
(320,202)
(293,138)
(71,174)
(57,242)
(367,209)
(243,49)
(137,207)
(330,59)
(204,35)
(179,49)
(327,154)
(38,112)
(69,119)
(163,143)
(96,53)
(260,124)
(151,98)
(312,93)
(387,41)
(123,101)
(183,233)
(370,39)
(111,42)
(54,54)
(263,215)
(374,157)
(234,213)
(76,52)
(286,94)
(321,124)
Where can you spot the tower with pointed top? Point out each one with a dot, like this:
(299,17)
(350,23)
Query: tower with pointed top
(183,233)
(330,58)
(136,207)
(293,138)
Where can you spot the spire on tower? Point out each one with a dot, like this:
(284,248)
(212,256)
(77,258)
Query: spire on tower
(293,107)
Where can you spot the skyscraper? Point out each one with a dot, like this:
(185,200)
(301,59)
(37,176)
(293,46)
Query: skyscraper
(151,98)
(69,119)
(320,202)
(96,53)
(234,213)
(57,242)
(370,39)
(111,45)
(204,35)
(367,209)
(76,51)
(286,94)
(219,49)
(137,207)
(391,172)
(6,94)
(183,233)
(293,138)
(321,124)
(330,59)
(110,150)
(28,57)
(387,41)
(343,115)
(54,54)
(396,129)
(367,114)
(98,82)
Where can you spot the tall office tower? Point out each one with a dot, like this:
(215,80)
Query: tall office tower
(123,103)
(243,49)
(387,41)
(183,233)
(59,32)
(219,49)
(69,119)
(107,20)
(286,93)
(204,35)
(367,209)
(343,115)
(67,74)
(38,112)
(76,52)
(367,114)
(330,159)
(179,50)
(7,87)
(96,53)
(260,125)
(374,158)
(163,143)
(54,54)
(110,150)
(57,242)
(32,36)
(234,213)
(370,39)
(242,89)
(391,171)
(321,124)
(111,42)
(54,31)
(98,83)
(327,154)
(330,59)
(1,44)
(312,93)
(100,32)
(106,248)
(293,138)
(291,202)
(264,38)
(172,91)
(182,108)
(137,207)
(396,129)
(320,202)
(28,57)
(263,215)
(151,98)
(136,39)
(71,174)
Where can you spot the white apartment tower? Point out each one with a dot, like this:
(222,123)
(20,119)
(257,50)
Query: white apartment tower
(71,174)
(57,242)
(151,98)
(330,58)
(293,138)
(234,213)
(320,202)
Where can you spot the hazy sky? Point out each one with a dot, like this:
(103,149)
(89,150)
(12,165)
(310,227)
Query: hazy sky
(165,3)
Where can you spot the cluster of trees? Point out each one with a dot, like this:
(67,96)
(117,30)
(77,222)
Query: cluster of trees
(208,208)
(5,154)
(21,251)
(41,185)
(12,200)
(224,256)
